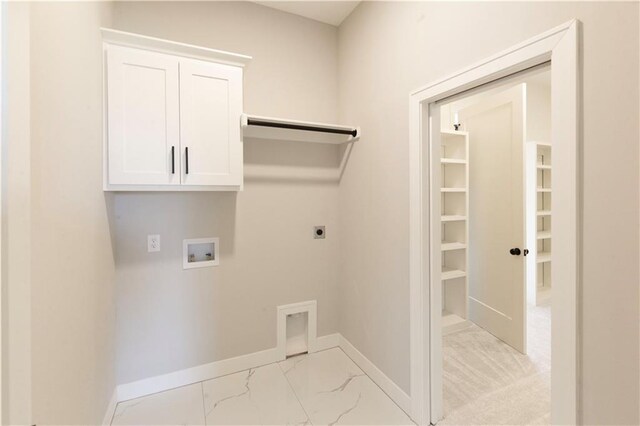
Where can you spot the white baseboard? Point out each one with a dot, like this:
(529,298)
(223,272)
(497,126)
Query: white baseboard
(200,373)
(215,369)
(327,342)
(209,371)
(389,387)
(111,408)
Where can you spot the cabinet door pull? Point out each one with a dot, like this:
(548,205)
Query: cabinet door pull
(173,160)
(186,156)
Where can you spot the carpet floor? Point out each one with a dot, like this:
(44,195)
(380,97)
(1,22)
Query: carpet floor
(486,382)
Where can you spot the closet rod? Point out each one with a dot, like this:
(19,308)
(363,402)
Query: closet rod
(254,122)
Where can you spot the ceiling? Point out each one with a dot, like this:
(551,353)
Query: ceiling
(329,12)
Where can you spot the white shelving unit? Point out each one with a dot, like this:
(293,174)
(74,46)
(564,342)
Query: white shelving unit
(538,190)
(454,203)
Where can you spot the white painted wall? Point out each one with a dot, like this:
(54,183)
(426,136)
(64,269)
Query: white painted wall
(72,267)
(388,49)
(170,319)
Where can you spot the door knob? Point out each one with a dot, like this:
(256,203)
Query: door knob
(515,251)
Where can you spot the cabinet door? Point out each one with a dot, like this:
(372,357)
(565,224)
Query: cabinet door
(210,109)
(143,117)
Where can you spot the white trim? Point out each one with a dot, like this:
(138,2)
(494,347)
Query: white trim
(197,374)
(560,45)
(2,145)
(310,307)
(387,385)
(327,342)
(164,188)
(122,38)
(210,371)
(111,408)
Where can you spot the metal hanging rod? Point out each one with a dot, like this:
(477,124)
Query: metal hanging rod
(263,123)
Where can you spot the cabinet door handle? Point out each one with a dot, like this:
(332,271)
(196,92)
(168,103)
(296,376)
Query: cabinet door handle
(186,156)
(173,160)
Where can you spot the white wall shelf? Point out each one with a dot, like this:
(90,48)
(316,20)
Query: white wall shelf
(541,235)
(543,257)
(282,129)
(452,218)
(543,143)
(453,161)
(450,274)
(448,246)
(453,189)
(452,322)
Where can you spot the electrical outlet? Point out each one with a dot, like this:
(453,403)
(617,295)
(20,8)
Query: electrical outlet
(153,243)
(319,232)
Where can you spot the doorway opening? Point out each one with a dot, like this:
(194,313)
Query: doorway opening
(495,250)
(560,47)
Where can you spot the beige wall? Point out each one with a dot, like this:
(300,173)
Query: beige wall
(73,313)
(170,319)
(16,217)
(386,50)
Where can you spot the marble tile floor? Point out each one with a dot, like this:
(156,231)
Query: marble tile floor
(486,382)
(323,388)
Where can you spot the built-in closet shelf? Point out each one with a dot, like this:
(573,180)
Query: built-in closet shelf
(543,235)
(453,133)
(538,194)
(453,161)
(454,244)
(543,256)
(544,294)
(449,274)
(448,246)
(452,218)
(281,129)
(452,322)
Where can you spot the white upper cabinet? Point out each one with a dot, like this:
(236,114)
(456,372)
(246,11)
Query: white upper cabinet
(144,121)
(210,109)
(172,116)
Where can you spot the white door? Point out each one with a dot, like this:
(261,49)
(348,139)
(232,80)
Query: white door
(143,117)
(210,109)
(496,220)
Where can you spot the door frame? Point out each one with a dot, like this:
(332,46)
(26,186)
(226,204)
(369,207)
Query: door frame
(559,45)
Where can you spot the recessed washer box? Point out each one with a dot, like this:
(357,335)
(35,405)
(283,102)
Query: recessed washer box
(200,253)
